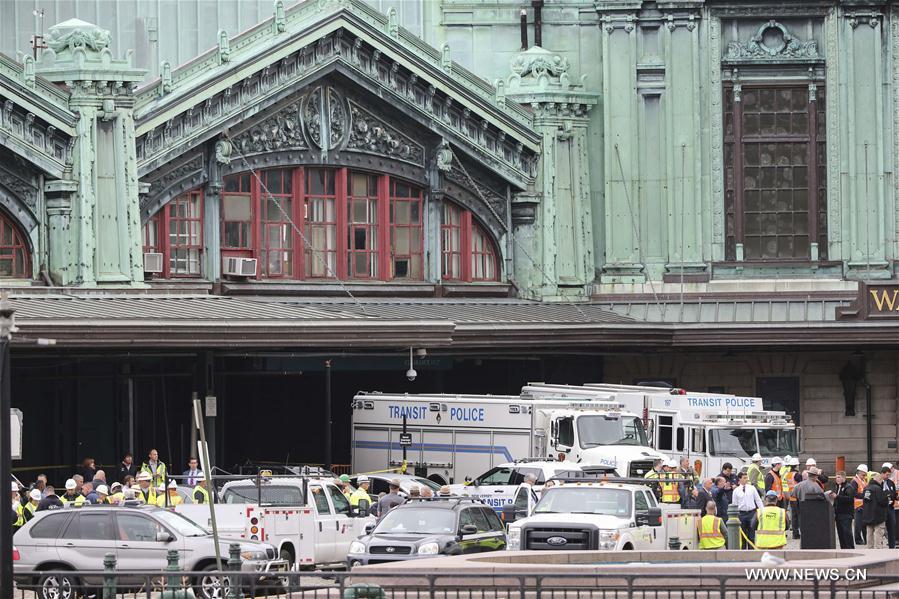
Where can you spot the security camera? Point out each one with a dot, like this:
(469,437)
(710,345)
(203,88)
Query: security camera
(411,374)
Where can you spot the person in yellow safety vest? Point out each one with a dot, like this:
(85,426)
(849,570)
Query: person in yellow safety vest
(712,533)
(103,495)
(17,507)
(201,494)
(669,490)
(343,482)
(147,492)
(136,495)
(859,482)
(72,497)
(170,500)
(771,532)
(155,468)
(34,498)
(361,493)
(754,472)
(118,494)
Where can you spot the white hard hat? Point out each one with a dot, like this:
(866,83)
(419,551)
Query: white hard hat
(862,468)
(35,494)
(71,485)
(102,490)
(787,459)
(173,485)
(886,465)
(362,479)
(200,476)
(143,476)
(671,463)
(776,460)
(15,487)
(135,488)
(160,487)
(811,462)
(756,457)
(793,462)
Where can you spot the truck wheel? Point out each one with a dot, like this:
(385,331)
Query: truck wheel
(287,582)
(209,586)
(58,586)
(628,547)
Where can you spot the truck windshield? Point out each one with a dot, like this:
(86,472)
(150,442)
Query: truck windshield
(732,442)
(585,500)
(407,520)
(271,495)
(603,430)
(777,442)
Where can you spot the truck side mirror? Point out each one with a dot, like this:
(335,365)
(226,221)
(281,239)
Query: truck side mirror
(363,508)
(509,513)
(369,528)
(468,529)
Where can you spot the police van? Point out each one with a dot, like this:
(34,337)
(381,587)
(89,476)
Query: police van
(453,438)
(711,428)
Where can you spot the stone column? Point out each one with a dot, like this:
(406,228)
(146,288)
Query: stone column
(104,230)
(564,215)
(58,201)
(525,230)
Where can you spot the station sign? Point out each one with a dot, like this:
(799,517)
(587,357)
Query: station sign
(877,301)
(405,439)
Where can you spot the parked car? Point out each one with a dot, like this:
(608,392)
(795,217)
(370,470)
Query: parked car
(139,537)
(423,528)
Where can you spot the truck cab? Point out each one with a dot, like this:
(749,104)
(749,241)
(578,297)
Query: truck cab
(612,515)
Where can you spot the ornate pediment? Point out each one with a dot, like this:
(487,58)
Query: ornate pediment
(774,43)
(369,133)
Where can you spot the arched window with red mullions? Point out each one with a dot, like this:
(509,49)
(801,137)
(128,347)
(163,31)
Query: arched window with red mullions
(176,231)
(467,251)
(15,260)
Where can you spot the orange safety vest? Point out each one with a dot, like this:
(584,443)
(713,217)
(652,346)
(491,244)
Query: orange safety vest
(789,482)
(777,485)
(669,490)
(860,481)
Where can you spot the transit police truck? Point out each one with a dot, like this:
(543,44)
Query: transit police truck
(711,428)
(454,438)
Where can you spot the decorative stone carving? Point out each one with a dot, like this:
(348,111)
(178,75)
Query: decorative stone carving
(280,20)
(496,203)
(371,134)
(444,157)
(20,188)
(223,151)
(773,42)
(277,132)
(170,177)
(76,33)
(224,46)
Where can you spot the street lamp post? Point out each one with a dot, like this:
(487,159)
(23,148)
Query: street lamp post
(7,327)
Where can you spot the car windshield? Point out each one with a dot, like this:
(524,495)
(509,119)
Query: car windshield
(606,430)
(424,482)
(585,500)
(732,442)
(411,520)
(271,495)
(182,525)
(777,442)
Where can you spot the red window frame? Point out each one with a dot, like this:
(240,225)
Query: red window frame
(406,216)
(15,259)
(158,235)
(321,220)
(476,253)
(364,231)
(277,209)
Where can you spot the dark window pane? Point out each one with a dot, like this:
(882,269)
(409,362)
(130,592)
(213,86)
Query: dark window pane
(49,526)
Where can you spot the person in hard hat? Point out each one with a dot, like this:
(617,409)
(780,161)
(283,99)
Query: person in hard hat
(343,481)
(754,472)
(201,489)
(874,512)
(791,477)
(117,496)
(712,533)
(859,484)
(17,519)
(146,489)
(134,495)
(773,482)
(361,492)
(771,532)
(50,501)
(889,489)
(670,491)
(72,496)
(28,510)
(103,495)
(168,500)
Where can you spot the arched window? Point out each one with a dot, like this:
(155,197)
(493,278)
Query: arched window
(467,253)
(176,231)
(321,223)
(14,255)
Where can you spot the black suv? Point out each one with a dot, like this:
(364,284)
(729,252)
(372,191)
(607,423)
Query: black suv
(429,527)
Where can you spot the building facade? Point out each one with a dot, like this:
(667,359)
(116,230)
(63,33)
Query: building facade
(697,191)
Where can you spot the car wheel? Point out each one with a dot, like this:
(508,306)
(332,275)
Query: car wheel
(58,586)
(211,586)
(287,555)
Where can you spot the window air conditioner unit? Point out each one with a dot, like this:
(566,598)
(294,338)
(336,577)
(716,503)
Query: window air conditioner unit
(240,267)
(152,262)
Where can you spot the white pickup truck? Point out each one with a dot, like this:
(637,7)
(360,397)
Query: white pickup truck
(308,520)
(608,515)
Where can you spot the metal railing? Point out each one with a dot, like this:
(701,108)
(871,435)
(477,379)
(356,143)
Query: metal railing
(681,582)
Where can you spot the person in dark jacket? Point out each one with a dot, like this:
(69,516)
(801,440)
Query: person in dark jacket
(50,501)
(88,469)
(700,496)
(889,489)
(127,468)
(730,481)
(721,495)
(843,496)
(874,512)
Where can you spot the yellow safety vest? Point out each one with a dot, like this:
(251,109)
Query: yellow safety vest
(150,497)
(789,481)
(204,495)
(760,481)
(28,511)
(358,495)
(159,476)
(173,500)
(771,532)
(669,490)
(653,473)
(20,517)
(710,536)
(78,501)
(117,497)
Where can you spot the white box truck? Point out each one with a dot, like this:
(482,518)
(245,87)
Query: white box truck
(713,428)
(450,438)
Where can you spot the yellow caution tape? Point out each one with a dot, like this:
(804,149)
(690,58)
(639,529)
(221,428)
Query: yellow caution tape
(745,538)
